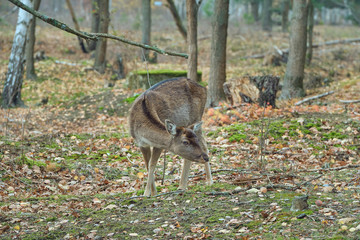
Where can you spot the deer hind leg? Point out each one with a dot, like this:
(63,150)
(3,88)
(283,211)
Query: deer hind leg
(146,151)
(209,179)
(150,188)
(184,175)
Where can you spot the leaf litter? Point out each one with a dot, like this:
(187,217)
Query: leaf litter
(70,170)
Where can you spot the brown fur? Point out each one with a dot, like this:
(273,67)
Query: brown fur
(168,116)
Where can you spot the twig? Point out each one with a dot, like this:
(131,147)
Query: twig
(92,36)
(349,101)
(312,179)
(313,97)
(279,186)
(164,167)
(331,169)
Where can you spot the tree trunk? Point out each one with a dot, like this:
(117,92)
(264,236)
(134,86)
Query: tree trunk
(30,42)
(310,31)
(217,76)
(100,54)
(11,95)
(255,9)
(95,22)
(76,25)
(146,26)
(266,16)
(177,19)
(191,13)
(285,15)
(294,75)
(354,7)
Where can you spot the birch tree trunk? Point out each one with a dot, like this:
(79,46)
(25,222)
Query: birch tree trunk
(310,32)
(293,81)
(217,76)
(11,95)
(30,42)
(191,13)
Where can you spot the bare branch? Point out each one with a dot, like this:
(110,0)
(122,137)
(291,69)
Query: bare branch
(92,36)
(313,97)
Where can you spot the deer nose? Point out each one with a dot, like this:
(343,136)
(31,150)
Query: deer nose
(205,157)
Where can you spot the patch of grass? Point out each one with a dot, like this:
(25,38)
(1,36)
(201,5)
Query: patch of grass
(131,99)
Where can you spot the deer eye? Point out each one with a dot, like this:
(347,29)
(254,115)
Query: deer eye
(186,143)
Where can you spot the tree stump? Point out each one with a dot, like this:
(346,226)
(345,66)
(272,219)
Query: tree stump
(248,89)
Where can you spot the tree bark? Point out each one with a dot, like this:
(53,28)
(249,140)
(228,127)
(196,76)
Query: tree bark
(100,54)
(11,95)
(177,18)
(294,75)
(255,9)
(191,13)
(30,42)
(285,15)
(310,32)
(95,22)
(146,26)
(217,76)
(266,16)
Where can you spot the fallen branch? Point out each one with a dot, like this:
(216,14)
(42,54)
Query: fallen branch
(334,42)
(313,97)
(349,101)
(331,169)
(312,179)
(92,36)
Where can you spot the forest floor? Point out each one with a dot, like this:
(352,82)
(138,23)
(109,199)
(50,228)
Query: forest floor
(70,170)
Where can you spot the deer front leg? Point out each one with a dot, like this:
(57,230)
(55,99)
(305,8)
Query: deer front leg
(150,188)
(209,179)
(184,175)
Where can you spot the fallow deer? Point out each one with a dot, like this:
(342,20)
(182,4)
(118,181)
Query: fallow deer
(167,116)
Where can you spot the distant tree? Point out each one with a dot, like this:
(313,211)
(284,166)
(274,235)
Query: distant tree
(95,22)
(192,8)
(285,4)
(177,18)
(310,31)
(217,76)
(266,21)
(354,7)
(294,75)
(83,46)
(30,42)
(11,95)
(146,29)
(100,52)
(254,5)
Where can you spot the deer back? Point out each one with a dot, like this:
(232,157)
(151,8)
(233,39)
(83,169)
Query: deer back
(178,100)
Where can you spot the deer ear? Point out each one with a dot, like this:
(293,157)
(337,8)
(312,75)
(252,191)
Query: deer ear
(197,127)
(170,127)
